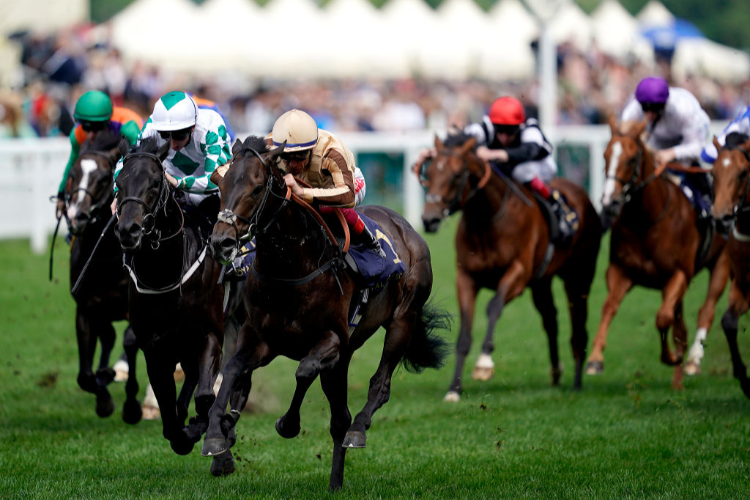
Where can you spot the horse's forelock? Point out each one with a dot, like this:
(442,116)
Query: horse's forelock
(148,145)
(735,140)
(458,139)
(255,142)
(104,141)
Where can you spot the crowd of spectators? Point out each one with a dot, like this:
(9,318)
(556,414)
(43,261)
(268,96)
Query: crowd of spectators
(57,69)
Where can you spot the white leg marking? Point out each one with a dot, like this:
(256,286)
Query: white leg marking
(614,161)
(696,351)
(485,361)
(87,166)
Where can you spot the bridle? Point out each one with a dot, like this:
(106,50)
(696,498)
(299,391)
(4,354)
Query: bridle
(96,202)
(460,180)
(631,186)
(148,228)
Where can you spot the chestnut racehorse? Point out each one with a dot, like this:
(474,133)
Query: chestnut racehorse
(655,243)
(731,171)
(503,244)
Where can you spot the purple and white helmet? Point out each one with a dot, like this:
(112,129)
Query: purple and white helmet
(652,90)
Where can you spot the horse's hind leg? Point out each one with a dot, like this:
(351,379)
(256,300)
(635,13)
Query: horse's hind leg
(131,410)
(618,284)
(716,286)
(544,303)
(672,295)
(323,356)
(334,383)
(739,303)
(467,295)
(511,286)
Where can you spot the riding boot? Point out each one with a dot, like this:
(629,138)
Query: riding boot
(371,242)
(567,218)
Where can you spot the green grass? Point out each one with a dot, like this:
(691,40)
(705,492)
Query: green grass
(627,435)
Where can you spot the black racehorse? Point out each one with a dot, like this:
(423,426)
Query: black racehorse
(297,299)
(102,297)
(175,304)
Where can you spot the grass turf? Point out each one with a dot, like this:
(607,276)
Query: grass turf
(626,435)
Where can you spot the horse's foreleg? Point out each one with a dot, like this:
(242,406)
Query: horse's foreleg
(323,356)
(511,286)
(131,410)
(86,327)
(334,383)
(467,295)
(739,303)
(160,367)
(544,303)
(208,367)
(716,286)
(679,337)
(618,284)
(672,294)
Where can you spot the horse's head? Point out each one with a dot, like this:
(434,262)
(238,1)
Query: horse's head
(142,191)
(623,161)
(245,186)
(446,178)
(730,173)
(90,185)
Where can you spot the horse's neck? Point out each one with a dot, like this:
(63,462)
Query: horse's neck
(654,195)
(484,204)
(742,220)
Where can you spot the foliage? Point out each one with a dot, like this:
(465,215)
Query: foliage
(627,435)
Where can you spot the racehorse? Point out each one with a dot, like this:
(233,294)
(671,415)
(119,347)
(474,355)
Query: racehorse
(503,244)
(102,297)
(655,243)
(297,298)
(175,305)
(732,205)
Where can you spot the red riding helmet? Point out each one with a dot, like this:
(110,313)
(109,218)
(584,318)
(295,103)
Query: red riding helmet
(507,111)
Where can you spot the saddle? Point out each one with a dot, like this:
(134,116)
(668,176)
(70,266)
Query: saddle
(556,218)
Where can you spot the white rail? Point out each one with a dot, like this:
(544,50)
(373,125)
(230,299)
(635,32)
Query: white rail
(31,169)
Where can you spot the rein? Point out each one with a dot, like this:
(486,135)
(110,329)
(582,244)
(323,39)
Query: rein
(454,204)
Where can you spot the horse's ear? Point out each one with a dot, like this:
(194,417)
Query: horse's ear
(469,145)
(638,128)
(613,123)
(275,153)
(438,143)
(716,144)
(123,146)
(163,151)
(237,147)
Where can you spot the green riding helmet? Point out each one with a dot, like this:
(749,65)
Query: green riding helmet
(93,106)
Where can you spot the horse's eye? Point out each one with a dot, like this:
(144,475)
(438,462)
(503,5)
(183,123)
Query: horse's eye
(743,175)
(256,192)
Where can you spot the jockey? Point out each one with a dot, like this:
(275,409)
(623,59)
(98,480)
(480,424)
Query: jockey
(677,129)
(505,137)
(319,158)
(198,143)
(94,113)
(740,125)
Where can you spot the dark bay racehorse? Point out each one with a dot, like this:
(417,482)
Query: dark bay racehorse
(102,297)
(502,244)
(732,189)
(655,243)
(175,306)
(297,299)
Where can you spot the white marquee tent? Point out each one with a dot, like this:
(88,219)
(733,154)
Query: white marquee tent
(618,33)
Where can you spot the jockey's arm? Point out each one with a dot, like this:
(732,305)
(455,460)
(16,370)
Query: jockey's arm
(75,149)
(342,192)
(694,136)
(217,153)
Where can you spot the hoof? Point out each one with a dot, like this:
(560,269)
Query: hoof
(122,370)
(105,376)
(287,429)
(179,375)
(214,446)
(151,413)
(105,406)
(222,465)
(556,374)
(181,445)
(670,359)
(354,439)
(691,368)
(452,397)
(131,412)
(594,367)
(483,374)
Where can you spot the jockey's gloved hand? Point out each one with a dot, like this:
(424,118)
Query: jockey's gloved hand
(60,204)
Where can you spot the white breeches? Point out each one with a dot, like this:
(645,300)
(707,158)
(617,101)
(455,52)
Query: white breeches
(545,169)
(359,187)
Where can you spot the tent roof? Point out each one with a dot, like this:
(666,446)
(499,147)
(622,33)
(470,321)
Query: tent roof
(513,21)
(617,33)
(41,15)
(655,14)
(570,23)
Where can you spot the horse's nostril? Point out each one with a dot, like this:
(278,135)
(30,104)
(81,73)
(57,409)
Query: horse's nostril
(227,243)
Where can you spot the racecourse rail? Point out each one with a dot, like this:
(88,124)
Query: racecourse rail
(31,170)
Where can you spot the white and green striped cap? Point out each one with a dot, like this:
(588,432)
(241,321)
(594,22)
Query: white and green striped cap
(174,111)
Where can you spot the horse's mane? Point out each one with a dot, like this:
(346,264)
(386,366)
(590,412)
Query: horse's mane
(104,141)
(254,142)
(735,140)
(147,145)
(457,139)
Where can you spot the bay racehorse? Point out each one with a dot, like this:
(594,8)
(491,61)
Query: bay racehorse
(175,305)
(297,298)
(655,243)
(103,295)
(732,208)
(503,244)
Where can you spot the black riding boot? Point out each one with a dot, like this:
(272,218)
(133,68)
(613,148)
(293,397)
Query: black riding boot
(567,218)
(371,242)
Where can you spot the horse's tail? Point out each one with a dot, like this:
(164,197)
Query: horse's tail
(427,349)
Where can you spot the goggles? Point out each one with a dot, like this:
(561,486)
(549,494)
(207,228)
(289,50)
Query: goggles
(295,156)
(88,126)
(177,135)
(506,129)
(654,107)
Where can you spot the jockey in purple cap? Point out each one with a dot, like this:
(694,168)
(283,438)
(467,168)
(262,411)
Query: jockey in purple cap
(677,130)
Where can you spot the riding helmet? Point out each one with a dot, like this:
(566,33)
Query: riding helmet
(93,106)
(507,111)
(652,90)
(174,111)
(298,129)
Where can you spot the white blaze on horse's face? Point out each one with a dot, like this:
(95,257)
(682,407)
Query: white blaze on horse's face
(87,166)
(609,184)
